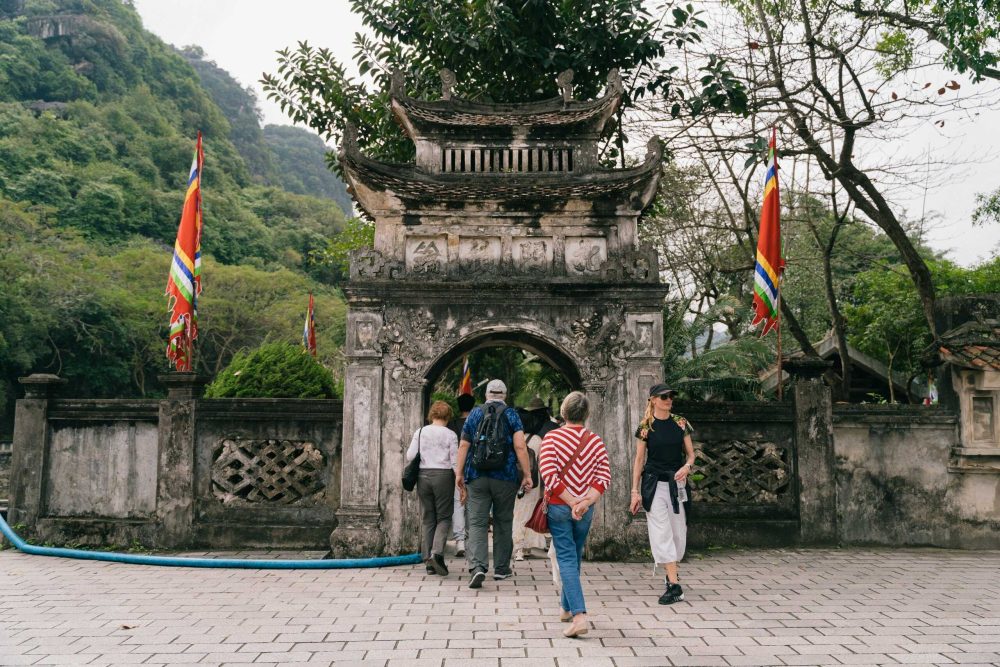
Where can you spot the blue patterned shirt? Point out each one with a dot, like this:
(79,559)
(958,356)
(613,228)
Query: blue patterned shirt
(509,472)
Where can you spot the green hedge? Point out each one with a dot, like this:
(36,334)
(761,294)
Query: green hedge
(273,370)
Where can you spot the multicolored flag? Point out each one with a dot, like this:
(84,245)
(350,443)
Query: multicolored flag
(309,330)
(465,386)
(770,263)
(184,282)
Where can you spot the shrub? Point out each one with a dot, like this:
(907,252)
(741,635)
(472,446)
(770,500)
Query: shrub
(273,370)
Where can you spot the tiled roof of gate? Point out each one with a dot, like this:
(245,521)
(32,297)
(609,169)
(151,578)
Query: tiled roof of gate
(409,182)
(459,113)
(972,345)
(456,112)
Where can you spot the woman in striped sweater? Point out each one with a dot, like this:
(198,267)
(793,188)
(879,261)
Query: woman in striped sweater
(574,466)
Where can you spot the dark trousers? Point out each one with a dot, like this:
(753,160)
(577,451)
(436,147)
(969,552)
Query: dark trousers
(485,495)
(436,490)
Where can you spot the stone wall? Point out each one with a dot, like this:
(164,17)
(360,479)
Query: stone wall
(899,482)
(177,473)
(5,455)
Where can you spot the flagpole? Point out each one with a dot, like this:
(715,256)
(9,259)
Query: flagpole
(781,383)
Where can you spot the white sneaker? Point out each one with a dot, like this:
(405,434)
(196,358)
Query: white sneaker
(460,548)
(519,555)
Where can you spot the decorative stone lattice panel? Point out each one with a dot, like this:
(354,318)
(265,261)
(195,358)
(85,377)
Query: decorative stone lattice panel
(743,472)
(282,472)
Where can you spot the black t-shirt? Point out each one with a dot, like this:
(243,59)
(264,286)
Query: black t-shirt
(664,444)
(456,424)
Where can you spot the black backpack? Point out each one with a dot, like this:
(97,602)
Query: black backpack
(491,448)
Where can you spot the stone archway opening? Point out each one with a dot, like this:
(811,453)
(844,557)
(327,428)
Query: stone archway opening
(528,365)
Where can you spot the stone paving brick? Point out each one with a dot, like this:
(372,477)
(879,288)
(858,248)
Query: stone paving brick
(767,607)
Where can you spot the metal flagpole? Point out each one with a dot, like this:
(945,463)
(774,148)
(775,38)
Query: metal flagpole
(781,382)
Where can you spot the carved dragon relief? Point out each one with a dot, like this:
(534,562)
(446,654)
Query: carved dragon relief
(602,344)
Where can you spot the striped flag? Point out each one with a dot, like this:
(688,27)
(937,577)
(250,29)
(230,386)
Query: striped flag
(465,386)
(770,263)
(184,282)
(309,330)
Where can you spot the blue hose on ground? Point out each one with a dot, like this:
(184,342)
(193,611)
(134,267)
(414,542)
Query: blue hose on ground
(170,561)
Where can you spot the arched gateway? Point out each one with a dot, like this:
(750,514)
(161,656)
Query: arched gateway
(505,230)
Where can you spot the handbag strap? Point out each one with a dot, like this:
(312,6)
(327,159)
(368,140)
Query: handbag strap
(573,457)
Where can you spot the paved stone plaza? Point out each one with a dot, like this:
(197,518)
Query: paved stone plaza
(775,607)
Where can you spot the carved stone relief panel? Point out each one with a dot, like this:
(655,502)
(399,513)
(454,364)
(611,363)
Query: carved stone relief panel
(647,332)
(426,255)
(364,330)
(478,254)
(743,472)
(603,344)
(586,255)
(533,255)
(364,457)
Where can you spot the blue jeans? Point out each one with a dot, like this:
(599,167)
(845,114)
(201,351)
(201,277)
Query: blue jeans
(569,536)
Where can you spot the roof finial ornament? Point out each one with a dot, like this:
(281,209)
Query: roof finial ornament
(397,83)
(448,81)
(349,141)
(654,150)
(615,82)
(565,83)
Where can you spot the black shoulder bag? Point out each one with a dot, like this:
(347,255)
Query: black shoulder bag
(412,469)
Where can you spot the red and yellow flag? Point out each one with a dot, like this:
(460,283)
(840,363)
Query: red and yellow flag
(465,386)
(184,283)
(309,330)
(770,263)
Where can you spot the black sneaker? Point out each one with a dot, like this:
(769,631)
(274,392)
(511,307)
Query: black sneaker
(437,563)
(477,579)
(430,568)
(674,593)
(499,576)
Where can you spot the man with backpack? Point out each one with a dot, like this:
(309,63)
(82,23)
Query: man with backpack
(491,457)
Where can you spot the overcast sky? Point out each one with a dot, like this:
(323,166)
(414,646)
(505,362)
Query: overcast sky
(241,36)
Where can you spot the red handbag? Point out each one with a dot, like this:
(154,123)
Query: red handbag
(539,519)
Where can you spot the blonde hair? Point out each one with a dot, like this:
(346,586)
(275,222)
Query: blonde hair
(439,410)
(647,419)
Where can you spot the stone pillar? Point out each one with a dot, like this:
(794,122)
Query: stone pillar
(359,521)
(814,446)
(175,460)
(31,444)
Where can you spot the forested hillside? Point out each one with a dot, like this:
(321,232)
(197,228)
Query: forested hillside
(281,155)
(97,125)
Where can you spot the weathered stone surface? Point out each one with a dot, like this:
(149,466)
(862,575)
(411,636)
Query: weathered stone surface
(504,231)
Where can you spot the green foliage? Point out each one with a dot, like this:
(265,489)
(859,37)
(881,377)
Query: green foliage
(895,48)
(97,130)
(300,159)
(884,316)
(356,235)
(273,370)
(506,51)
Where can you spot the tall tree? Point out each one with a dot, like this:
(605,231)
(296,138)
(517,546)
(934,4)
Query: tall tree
(500,51)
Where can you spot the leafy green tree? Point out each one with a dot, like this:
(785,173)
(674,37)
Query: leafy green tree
(969,31)
(884,317)
(273,370)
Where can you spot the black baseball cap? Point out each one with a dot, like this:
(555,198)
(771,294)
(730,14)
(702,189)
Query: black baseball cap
(661,388)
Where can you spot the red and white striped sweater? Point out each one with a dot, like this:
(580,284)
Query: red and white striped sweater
(591,469)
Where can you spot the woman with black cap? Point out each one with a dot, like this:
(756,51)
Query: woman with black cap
(664,457)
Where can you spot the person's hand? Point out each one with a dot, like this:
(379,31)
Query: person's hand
(682,473)
(580,508)
(635,503)
(459,482)
(526,483)
(463,495)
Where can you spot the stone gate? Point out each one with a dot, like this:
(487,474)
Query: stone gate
(505,230)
